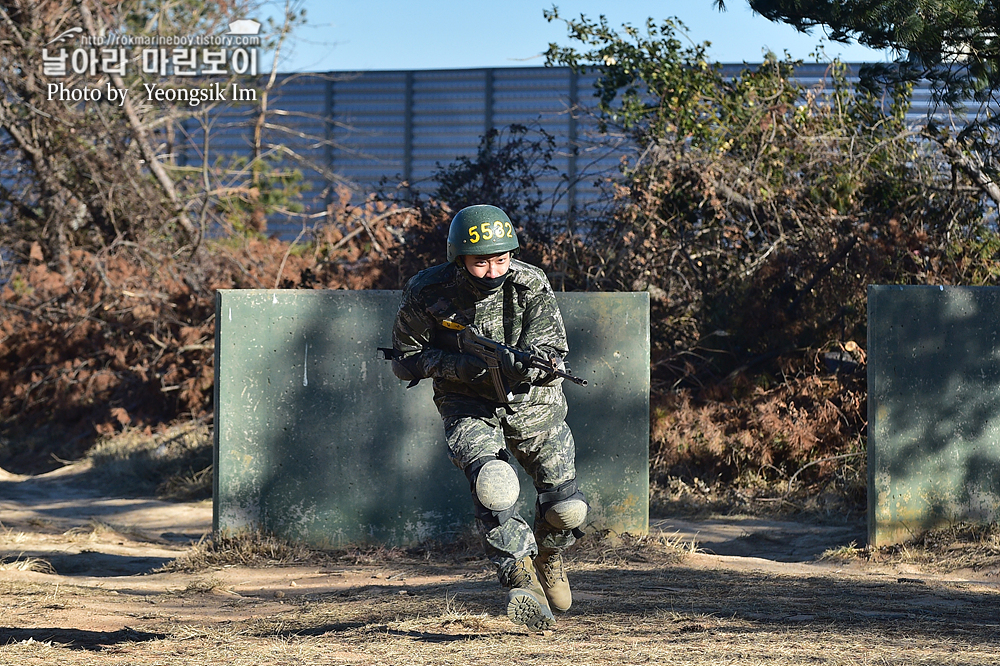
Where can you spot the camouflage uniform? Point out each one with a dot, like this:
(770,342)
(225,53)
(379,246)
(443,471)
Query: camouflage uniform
(523,313)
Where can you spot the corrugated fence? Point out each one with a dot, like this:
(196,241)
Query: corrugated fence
(353,129)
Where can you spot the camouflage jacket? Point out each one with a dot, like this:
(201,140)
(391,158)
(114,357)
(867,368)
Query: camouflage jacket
(523,314)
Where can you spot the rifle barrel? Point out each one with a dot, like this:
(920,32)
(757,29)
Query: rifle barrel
(576,380)
(550,367)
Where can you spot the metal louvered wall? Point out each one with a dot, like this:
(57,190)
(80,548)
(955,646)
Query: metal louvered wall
(401,125)
(404,125)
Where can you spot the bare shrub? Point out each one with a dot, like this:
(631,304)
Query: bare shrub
(129,341)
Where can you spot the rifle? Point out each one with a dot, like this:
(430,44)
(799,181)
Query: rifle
(489,350)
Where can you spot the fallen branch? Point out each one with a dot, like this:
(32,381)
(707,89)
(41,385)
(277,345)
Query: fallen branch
(816,462)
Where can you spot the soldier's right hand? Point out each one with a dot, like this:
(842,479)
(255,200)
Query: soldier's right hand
(470,368)
(515,365)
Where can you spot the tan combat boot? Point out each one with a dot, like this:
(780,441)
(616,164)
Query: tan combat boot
(526,602)
(552,577)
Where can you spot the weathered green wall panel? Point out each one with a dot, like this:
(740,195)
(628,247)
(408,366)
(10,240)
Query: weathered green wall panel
(316,439)
(933,409)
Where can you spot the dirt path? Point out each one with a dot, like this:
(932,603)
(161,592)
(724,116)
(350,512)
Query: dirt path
(753,594)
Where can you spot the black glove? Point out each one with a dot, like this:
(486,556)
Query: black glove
(470,368)
(515,365)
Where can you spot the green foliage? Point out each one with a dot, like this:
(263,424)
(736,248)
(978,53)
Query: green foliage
(20,286)
(649,84)
(756,211)
(952,44)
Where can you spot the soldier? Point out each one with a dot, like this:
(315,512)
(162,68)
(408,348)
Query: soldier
(483,287)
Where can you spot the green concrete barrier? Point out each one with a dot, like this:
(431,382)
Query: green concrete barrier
(933,409)
(317,441)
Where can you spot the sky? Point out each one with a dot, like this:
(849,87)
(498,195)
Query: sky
(366,35)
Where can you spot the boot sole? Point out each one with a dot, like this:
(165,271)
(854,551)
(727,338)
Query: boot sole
(524,608)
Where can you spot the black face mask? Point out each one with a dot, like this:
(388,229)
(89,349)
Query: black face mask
(488,285)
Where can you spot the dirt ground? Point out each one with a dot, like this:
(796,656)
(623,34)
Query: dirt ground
(79,586)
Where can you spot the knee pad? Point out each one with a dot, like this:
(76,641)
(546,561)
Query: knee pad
(563,507)
(495,487)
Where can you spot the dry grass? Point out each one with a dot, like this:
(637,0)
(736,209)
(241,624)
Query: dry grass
(26,564)
(187,486)
(608,548)
(259,549)
(247,549)
(9,536)
(624,613)
(844,553)
(98,530)
(139,462)
(962,546)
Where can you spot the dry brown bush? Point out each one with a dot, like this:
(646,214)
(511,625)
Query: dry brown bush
(127,341)
(777,436)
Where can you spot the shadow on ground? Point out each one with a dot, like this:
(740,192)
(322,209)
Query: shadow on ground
(827,601)
(76,639)
(780,541)
(100,565)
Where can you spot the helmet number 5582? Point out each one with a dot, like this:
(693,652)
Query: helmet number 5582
(489,231)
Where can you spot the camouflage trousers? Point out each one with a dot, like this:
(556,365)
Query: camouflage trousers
(536,435)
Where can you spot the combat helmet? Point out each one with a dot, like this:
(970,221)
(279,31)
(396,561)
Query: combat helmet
(480,229)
